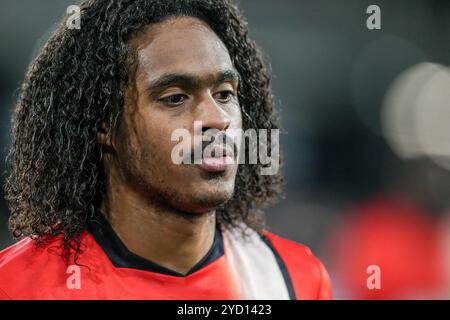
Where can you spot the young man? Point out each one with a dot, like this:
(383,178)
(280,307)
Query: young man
(104,211)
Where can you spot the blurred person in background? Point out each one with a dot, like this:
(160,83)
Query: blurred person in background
(399,231)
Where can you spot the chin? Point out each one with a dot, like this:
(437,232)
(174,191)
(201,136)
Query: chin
(206,200)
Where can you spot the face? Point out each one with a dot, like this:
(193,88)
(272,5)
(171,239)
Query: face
(184,74)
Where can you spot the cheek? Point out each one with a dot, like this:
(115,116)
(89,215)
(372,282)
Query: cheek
(156,145)
(140,145)
(236,117)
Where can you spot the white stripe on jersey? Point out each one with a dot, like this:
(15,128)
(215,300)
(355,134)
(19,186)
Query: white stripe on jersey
(253,266)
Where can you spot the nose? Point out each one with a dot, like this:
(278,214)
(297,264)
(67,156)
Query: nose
(212,115)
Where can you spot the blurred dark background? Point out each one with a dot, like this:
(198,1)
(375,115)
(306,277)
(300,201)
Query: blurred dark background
(343,158)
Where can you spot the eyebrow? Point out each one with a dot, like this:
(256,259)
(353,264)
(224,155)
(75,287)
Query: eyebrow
(191,81)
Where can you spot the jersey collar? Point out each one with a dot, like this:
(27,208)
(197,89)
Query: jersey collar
(121,257)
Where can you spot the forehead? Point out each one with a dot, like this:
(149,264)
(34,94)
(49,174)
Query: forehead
(181,45)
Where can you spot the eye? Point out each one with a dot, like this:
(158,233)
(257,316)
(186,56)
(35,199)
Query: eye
(173,100)
(224,96)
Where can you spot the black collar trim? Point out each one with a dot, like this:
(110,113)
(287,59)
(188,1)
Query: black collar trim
(121,257)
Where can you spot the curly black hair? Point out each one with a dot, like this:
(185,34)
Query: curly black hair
(54,177)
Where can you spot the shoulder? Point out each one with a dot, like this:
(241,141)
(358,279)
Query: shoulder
(18,255)
(15,259)
(26,267)
(309,276)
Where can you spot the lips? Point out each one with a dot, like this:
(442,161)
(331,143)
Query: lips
(220,159)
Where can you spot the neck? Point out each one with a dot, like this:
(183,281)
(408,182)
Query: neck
(159,234)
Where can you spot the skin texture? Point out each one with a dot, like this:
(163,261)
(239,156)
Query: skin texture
(162,211)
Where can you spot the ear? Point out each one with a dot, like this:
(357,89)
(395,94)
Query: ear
(102,135)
